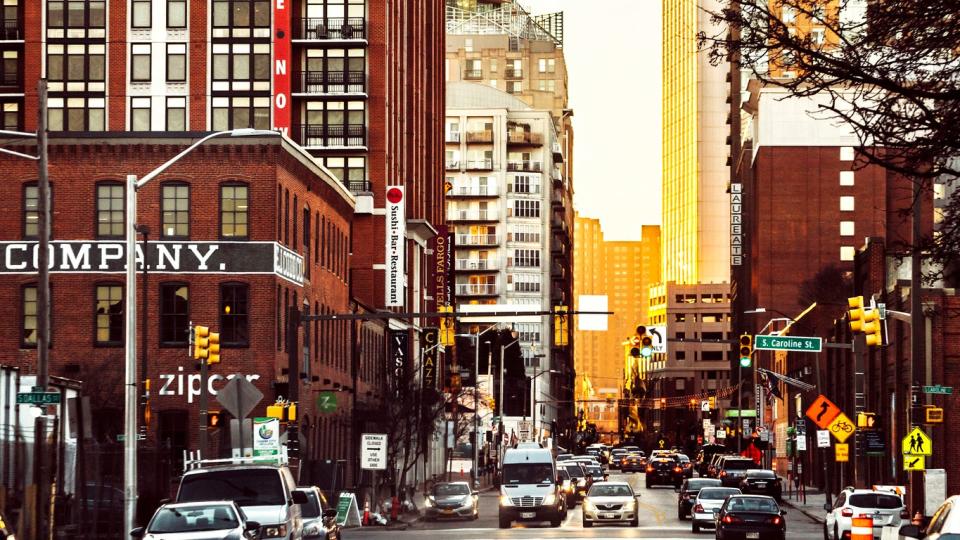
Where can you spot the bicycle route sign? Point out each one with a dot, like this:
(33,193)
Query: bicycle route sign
(841,428)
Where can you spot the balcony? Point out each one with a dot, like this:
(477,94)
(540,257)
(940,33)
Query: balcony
(480,165)
(476,289)
(525,138)
(336,29)
(473,191)
(360,186)
(473,215)
(513,73)
(11,30)
(330,82)
(453,137)
(477,240)
(472,74)
(477,265)
(452,165)
(479,137)
(524,166)
(558,271)
(557,152)
(323,136)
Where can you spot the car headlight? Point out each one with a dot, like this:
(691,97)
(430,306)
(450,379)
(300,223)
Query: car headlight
(466,502)
(505,501)
(550,499)
(274,531)
(582,482)
(310,530)
(429,502)
(587,505)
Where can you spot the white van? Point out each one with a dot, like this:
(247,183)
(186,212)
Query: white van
(529,488)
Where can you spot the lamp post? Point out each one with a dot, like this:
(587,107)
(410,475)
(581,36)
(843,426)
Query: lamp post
(534,401)
(476,408)
(130,307)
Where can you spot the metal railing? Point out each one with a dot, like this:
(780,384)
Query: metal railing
(476,289)
(472,74)
(477,240)
(513,73)
(524,166)
(473,215)
(525,189)
(480,165)
(360,186)
(479,137)
(534,139)
(331,82)
(453,165)
(335,28)
(453,137)
(476,264)
(11,29)
(324,135)
(474,191)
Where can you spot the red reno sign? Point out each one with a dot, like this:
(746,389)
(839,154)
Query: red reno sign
(281,66)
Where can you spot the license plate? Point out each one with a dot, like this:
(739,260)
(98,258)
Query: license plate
(610,516)
(753,535)
(761,484)
(448,511)
(528,515)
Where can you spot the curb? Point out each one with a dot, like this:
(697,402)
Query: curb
(814,517)
(419,519)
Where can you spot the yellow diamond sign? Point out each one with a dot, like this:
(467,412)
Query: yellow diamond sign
(841,427)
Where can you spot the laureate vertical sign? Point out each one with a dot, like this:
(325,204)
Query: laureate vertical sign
(396,245)
(736,224)
(281,65)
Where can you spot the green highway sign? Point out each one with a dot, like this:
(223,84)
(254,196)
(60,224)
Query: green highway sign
(937,389)
(38,398)
(787,343)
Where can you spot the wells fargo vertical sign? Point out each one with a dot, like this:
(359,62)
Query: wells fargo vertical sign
(281,65)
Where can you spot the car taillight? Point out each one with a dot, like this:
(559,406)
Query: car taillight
(731,519)
(775,520)
(846,512)
(677,469)
(649,468)
(723,473)
(698,508)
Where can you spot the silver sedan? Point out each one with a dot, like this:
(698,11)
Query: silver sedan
(610,502)
(452,500)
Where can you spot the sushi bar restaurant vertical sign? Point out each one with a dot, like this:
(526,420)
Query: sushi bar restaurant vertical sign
(266,437)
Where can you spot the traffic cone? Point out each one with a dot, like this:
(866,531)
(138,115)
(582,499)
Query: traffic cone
(366,512)
(394,508)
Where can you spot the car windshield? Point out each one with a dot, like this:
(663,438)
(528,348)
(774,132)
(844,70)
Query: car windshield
(738,464)
(447,490)
(246,487)
(199,518)
(527,473)
(752,504)
(574,470)
(593,470)
(760,474)
(311,508)
(717,494)
(682,458)
(875,500)
(697,484)
(615,490)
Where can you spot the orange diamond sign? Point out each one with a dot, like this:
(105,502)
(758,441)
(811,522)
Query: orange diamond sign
(823,411)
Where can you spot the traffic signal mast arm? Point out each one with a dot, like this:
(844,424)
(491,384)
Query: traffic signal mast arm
(440,314)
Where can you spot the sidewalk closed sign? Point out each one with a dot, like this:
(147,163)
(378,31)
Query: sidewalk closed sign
(373,451)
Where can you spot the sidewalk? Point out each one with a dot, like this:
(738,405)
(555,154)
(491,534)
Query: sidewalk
(812,507)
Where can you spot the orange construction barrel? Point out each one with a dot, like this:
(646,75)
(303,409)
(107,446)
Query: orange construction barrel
(862,528)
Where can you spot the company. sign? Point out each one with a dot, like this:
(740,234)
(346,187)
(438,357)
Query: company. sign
(442,254)
(281,64)
(183,384)
(399,352)
(429,337)
(394,261)
(736,224)
(105,257)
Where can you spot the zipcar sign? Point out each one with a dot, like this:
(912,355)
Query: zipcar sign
(787,343)
(163,257)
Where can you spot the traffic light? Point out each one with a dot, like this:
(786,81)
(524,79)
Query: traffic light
(646,342)
(856,314)
(746,350)
(293,441)
(560,326)
(446,326)
(872,328)
(866,420)
(201,342)
(213,348)
(147,413)
(214,418)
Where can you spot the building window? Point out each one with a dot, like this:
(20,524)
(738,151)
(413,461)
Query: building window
(241,66)
(528,258)
(514,87)
(241,18)
(524,233)
(31,211)
(174,313)
(546,85)
(335,71)
(176,114)
(77,63)
(351,171)
(526,208)
(846,153)
(847,253)
(175,211)
(110,201)
(846,203)
(526,184)
(76,114)
(176,62)
(846,228)
(241,112)
(846,178)
(234,211)
(335,123)
(29,305)
(140,114)
(140,62)
(11,116)
(82,18)
(11,68)
(547,65)
(234,298)
(176,13)
(524,283)
(141,14)
(109,315)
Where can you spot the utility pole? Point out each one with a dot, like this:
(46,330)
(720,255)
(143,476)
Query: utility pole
(916,328)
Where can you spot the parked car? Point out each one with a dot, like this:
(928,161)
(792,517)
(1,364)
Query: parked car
(761,482)
(610,502)
(944,524)
(688,491)
(204,519)
(886,508)
(663,471)
(319,522)
(452,500)
(751,517)
(709,499)
(733,468)
(266,493)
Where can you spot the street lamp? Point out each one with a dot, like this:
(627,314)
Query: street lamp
(533,398)
(130,380)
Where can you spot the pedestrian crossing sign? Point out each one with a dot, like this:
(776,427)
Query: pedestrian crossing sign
(917,443)
(914,463)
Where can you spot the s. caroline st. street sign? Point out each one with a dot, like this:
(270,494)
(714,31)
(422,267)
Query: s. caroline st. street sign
(787,343)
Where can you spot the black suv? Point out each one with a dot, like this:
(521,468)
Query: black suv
(732,469)
(664,471)
(761,482)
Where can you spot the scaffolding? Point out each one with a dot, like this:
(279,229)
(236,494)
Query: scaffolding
(508,18)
